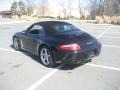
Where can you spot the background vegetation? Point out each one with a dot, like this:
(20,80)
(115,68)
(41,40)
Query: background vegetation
(104,11)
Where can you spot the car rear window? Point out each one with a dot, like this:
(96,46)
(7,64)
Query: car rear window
(61,28)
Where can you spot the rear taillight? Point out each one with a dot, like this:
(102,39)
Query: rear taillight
(70,47)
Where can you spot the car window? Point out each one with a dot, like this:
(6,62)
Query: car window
(36,29)
(63,27)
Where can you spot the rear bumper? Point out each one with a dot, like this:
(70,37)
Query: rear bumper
(77,57)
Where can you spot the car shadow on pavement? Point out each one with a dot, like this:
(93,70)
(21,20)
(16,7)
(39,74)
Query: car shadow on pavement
(70,66)
(64,67)
(29,54)
(73,66)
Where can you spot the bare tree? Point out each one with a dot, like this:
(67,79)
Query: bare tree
(101,7)
(14,8)
(29,7)
(80,8)
(70,9)
(64,9)
(93,8)
(116,7)
(43,7)
(104,7)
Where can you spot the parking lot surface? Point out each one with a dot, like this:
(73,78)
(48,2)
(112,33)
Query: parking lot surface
(22,71)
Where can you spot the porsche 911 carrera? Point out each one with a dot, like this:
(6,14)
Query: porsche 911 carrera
(57,42)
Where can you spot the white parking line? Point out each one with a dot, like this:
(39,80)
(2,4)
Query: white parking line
(102,66)
(3,49)
(39,82)
(115,32)
(13,22)
(110,33)
(111,46)
(101,34)
(113,37)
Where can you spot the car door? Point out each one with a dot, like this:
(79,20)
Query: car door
(37,38)
(32,38)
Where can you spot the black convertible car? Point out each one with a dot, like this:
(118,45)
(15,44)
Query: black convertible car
(57,42)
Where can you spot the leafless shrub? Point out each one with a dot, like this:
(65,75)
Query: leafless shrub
(114,20)
(107,19)
(99,20)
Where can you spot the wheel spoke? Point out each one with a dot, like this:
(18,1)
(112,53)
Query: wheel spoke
(45,56)
(47,61)
(46,52)
(42,53)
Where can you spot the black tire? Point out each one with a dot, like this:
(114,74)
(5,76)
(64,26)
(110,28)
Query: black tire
(16,44)
(50,61)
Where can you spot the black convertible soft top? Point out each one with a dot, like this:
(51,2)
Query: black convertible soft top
(51,22)
(47,26)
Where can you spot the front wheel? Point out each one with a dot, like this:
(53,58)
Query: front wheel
(46,57)
(16,43)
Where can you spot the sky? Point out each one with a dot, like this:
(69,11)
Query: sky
(6,4)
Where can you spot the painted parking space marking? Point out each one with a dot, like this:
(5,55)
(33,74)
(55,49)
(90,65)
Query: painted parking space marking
(112,32)
(44,78)
(110,37)
(102,66)
(8,50)
(112,46)
(13,22)
(101,34)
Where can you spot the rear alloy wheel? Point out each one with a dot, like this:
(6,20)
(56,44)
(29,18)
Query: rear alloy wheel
(16,44)
(46,57)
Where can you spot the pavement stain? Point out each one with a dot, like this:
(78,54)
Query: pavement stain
(9,62)
(2,73)
(19,65)
(69,72)
(100,77)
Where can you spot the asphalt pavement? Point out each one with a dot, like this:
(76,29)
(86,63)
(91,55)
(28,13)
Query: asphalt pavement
(22,71)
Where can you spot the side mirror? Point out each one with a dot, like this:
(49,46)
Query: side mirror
(24,31)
